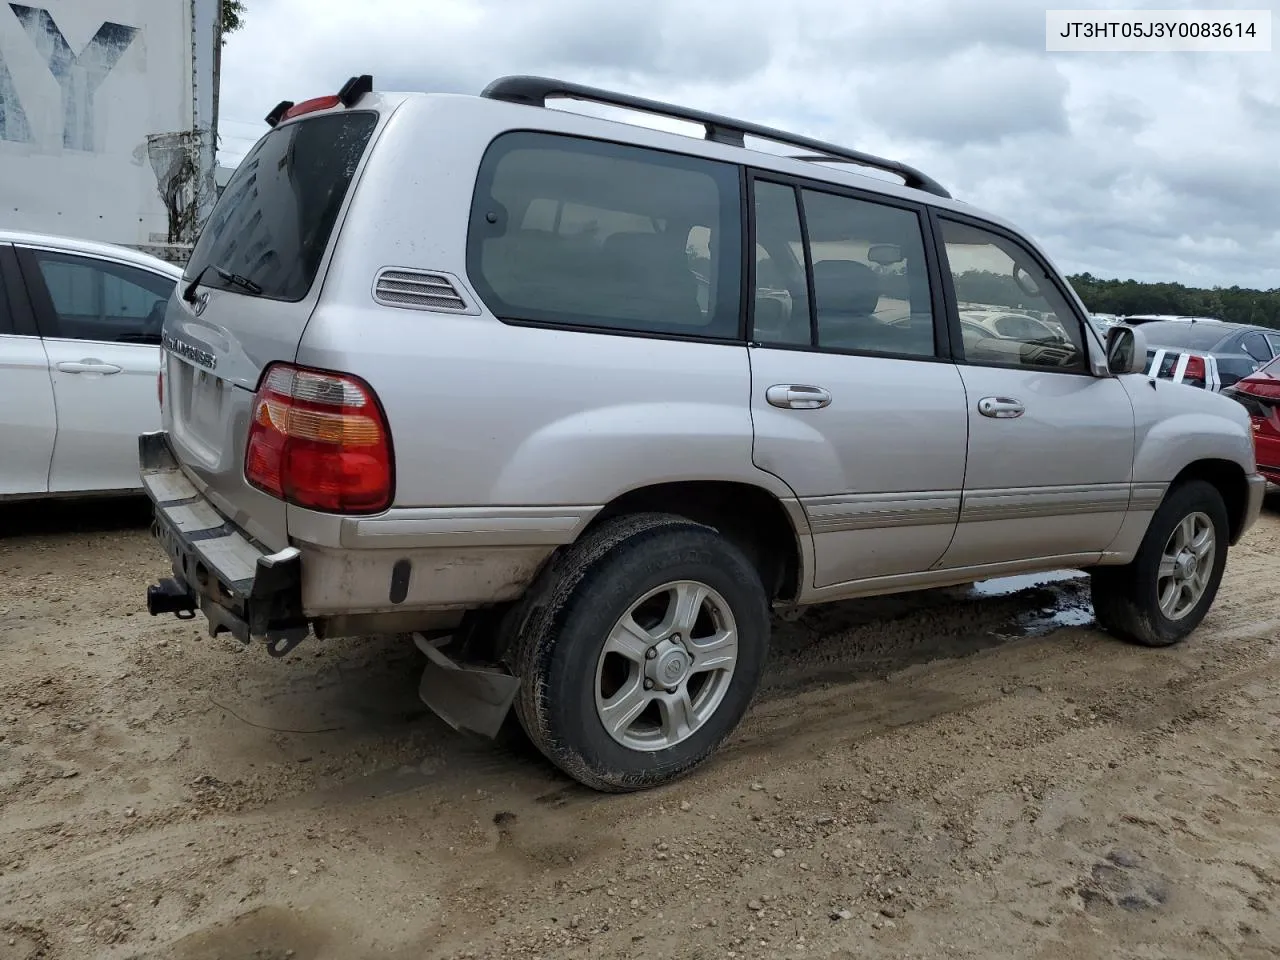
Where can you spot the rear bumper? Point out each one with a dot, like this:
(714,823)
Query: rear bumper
(255,594)
(411,570)
(241,588)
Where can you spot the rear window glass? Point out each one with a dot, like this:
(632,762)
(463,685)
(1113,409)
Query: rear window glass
(273,221)
(1182,333)
(586,234)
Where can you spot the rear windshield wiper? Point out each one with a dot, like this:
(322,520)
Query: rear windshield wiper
(226,276)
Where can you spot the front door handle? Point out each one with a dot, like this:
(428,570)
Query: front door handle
(797,396)
(88,365)
(1001,408)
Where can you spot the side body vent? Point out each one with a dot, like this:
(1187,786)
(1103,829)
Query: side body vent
(420,290)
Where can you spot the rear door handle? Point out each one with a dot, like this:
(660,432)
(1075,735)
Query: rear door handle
(1001,408)
(797,396)
(87,365)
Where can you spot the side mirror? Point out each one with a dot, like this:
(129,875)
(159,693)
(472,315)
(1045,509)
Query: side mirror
(1126,350)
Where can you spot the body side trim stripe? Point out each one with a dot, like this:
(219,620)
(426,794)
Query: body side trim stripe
(892,510)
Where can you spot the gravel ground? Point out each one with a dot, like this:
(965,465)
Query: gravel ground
(967,773)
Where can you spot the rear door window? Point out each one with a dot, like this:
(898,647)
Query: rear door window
(92,299)
(591,235)
(273,221)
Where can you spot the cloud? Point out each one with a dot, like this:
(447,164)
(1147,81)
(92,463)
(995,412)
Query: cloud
(1153,166)
(975,96)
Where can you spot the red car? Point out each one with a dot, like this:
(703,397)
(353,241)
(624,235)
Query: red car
(1260,394)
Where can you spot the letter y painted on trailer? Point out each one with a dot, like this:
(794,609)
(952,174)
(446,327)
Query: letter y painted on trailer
(79,76)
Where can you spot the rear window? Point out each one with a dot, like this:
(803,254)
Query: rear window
(1181,333)
(586,234)
(273,221)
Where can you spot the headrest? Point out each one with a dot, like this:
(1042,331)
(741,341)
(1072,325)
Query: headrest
(845,286)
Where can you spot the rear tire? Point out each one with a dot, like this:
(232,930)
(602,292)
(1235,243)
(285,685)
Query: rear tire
(642,653)
(1164,593)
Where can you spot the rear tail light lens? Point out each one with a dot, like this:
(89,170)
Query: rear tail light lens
(319,440)
(1195,374)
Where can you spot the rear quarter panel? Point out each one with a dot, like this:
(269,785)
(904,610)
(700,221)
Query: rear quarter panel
(483,413)
(488,413)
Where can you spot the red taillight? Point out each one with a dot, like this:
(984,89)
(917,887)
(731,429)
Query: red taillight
(319,440)
(1195,371)
(312,105)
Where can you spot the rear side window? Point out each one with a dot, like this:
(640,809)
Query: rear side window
(585,234)
(274,218)
(91,299)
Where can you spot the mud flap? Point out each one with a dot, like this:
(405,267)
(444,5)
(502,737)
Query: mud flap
(467,698)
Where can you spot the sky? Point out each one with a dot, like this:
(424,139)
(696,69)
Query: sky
(1152,166)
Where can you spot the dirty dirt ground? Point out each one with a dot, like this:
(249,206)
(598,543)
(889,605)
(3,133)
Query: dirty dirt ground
(968,773)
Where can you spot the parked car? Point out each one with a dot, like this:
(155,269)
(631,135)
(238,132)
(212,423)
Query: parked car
(1259,394)
(79,348)
(1015,326)
(1210,355)
(440,365)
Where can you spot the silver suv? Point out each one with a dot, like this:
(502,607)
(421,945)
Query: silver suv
(575,403)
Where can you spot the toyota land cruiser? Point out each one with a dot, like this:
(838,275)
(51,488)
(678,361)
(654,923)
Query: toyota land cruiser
(575,403)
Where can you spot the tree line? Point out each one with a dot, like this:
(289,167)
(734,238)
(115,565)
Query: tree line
(1127,297)
(1234,304)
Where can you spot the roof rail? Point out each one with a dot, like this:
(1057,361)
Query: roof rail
(535,91)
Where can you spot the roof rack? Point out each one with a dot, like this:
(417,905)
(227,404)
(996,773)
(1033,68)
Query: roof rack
(535,91)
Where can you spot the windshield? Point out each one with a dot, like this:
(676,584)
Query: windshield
(272,224)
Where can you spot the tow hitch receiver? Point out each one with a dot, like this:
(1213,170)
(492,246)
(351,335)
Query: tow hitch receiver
(170,596)
(465,697)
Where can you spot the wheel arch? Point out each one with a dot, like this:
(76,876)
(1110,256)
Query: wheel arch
(751,517)
(1231,482)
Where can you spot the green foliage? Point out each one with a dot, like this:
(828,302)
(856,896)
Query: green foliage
(1234,304)
(232,17)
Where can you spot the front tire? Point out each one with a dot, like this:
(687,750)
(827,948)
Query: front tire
(644,654)
(1164,593)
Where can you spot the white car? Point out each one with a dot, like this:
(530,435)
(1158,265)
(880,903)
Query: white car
(79,363)
(1013,325)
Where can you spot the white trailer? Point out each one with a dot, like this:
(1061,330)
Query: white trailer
(108,119)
